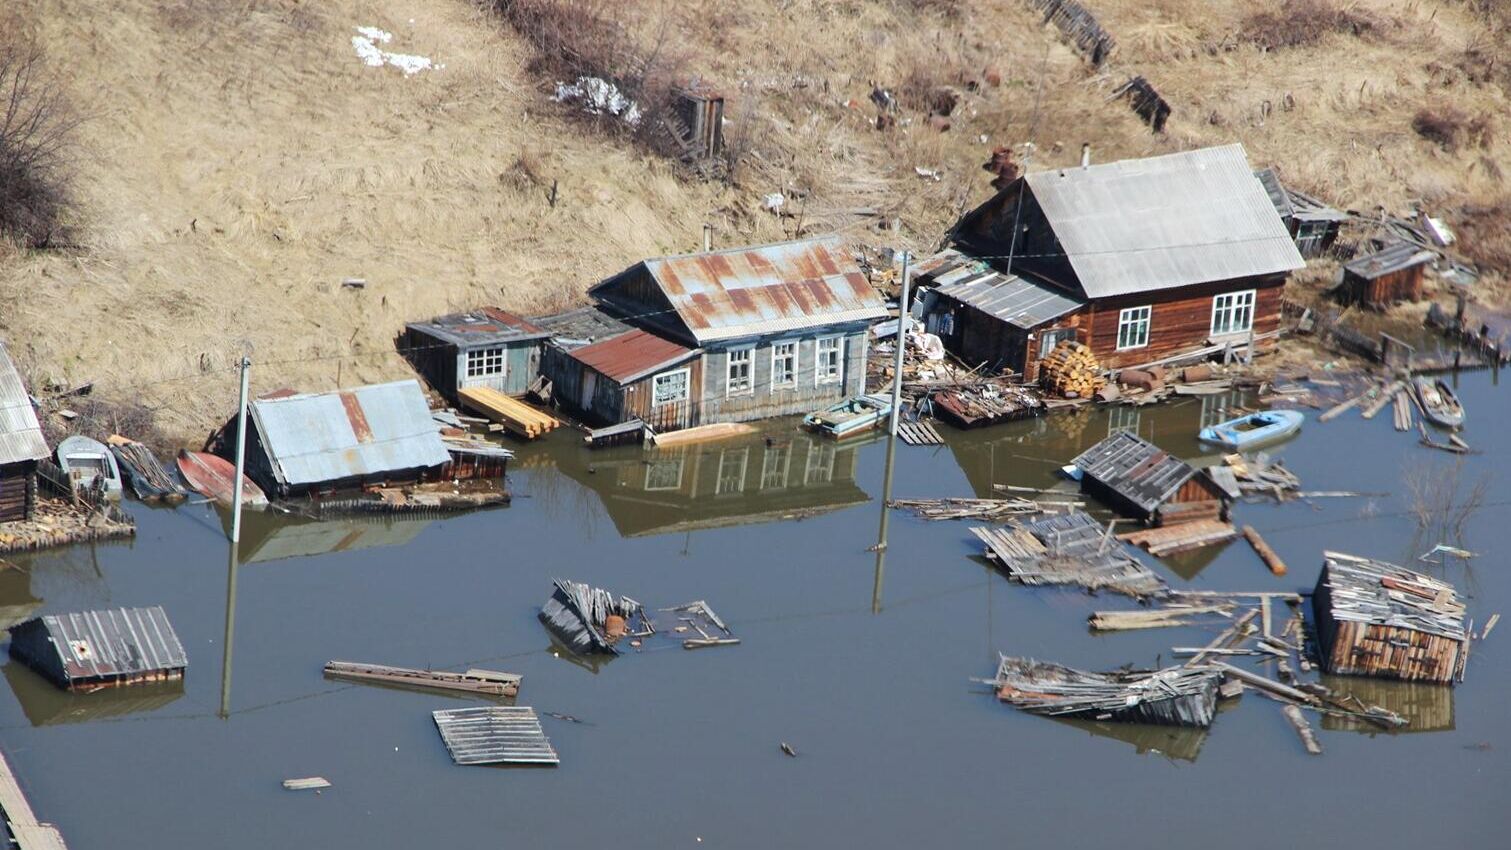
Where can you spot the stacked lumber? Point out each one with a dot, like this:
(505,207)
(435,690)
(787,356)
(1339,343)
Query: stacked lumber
(1071,371)
(517,417)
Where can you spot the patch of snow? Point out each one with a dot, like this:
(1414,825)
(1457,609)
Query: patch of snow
(375,34)
(599,96)
(366,46)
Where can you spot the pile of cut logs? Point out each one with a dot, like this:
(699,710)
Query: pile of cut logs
(1071,371)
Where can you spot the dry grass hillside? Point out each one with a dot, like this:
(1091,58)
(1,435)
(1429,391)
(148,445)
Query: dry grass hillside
(239,160)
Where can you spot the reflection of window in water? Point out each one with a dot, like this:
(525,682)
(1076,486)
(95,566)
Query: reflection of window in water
(1122,417)
(820,464)
(1216,408)
(774,465)
(731,471)
(664,474)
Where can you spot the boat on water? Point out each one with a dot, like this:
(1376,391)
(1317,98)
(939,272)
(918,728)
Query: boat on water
(1440,405)
(88,463)
(212,476)
(851,417)
(141,469)
(1254,429)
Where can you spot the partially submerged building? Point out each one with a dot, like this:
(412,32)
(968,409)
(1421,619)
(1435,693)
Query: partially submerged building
(1140,480)
(381,434)
(21,444)
(1138,259)
(486,347)
(1393,274)
(725,336)
(1378,619)
(93,648)
(1312,224)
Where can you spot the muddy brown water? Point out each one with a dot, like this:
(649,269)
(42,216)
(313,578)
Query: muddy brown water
(865,672)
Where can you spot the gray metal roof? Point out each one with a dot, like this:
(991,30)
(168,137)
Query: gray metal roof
(317,437)
(494,734)
(579,327)
(483,326)
(1392,258)
(1135,469)
(1278,195)
(1018,301)
(1148,224)
(20,434)
(116,643)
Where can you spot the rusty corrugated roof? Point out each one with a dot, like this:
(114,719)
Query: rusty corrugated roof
(632,355)
(765,289)
(480,326)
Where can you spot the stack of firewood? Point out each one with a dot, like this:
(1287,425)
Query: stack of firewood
(1071,371)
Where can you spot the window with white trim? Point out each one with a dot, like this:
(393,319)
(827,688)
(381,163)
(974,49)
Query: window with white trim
(664,474)
(1233,313)
(738,379)
(775,464)
(482,362)
(828,366)
(669,387)
(784,364)
(731,471)
(1133,328)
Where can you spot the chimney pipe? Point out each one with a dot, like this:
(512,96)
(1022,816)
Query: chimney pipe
(708,238)
(1086,155)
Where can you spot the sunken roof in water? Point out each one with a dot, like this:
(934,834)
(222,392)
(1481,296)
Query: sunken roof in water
(485,325)
(1135,469)
(787,286)
(100,646)
(311,438)
(1148,224)
(20,434)
(1377,593)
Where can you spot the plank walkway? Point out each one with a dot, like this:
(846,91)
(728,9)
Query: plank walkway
(919,434)
(24,828)
(494,735)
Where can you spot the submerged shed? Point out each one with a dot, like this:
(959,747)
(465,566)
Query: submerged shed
(1175,696)
(635,375)
(1138,479)
(21,444)
(1069,549)
(115,647)
(1381,279)
(487,347)
(1378,619)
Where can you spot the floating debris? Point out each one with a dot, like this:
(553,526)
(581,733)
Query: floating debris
(992,510)
(1072,549)
(584,617)
(495,735)
(1174,696)
(1183,537)
(310,783)
(1175,615)
(698,616)
(148,479)
(485,682)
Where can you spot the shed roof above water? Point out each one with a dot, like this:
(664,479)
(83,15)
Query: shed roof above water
(483,326)
(1391,259)
(314,438)
(633,355)
(99,646)
(1019,301)
(20,434)
(1135,469)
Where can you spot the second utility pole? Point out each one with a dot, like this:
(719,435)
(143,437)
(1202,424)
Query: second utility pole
(241,453)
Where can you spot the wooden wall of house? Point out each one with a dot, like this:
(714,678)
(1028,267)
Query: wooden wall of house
(980,337)
(18,491)
(1180,319)
(765,401)
(988,232)
(638,400)
(1385,290)
(434,359)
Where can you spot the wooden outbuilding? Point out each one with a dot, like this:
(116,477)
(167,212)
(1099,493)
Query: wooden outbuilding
(1378,619)
(1393,274)
(487,347)
(635,375)
(95,648)
(21,445)
(1312,224)
(1138,259)
(1140,480)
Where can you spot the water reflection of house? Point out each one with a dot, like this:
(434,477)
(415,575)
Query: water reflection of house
(270,537)
(1427,707)
(722,484)
(46,704)
(1177,742)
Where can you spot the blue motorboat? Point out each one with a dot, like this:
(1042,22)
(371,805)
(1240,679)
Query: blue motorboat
(1254,429)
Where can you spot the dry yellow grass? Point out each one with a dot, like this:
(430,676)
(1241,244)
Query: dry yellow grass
(241,161)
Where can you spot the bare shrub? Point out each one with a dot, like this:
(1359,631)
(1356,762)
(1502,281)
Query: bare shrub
(1440,499)
(1451,128)
(1300,23)
(36,133)
(926,85)
(1483,234)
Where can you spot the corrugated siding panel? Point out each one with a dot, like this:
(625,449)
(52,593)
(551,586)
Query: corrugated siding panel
(20,434)
(119,642)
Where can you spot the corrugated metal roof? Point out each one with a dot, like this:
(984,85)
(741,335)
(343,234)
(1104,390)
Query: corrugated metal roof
(317,437)
(494,734)
(1278,196)
(20,434)
(787,286)
(1135,468)
(583,326)
(1165,221)
(632,355)
(483,326)
(1392,258)
(118,642)
(1018,301)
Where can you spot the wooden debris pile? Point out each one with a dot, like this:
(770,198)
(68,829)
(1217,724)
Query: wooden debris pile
(1379,619)
(985,403)
(1072,549)
(1071,371)
(1174,696)
(698,617)
(991,510)
(588,619)
(1259,475)
(58,522)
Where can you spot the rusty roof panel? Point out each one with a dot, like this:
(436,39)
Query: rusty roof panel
(788,286)
(632,355)
(485,325)
(314,438)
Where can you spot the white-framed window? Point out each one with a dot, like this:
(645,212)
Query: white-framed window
(669,387)
(731,471)
(1133,328)
(775,464)
(1233,313)
(820,466)
(482,362)
(784,364)
(829,364)
(738,379)
(664,474)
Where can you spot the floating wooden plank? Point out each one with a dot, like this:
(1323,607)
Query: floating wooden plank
(703,433)
(1382,398)
(310,783)
(1338,409)
(26,831)
(494,735)
(632,431)
(1263,550)
(1111,621)
(919,434)
(701,643)
(517,417)
(1303,729)
(1170,539)
(486,682)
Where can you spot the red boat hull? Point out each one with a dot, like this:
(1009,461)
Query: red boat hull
(212,476)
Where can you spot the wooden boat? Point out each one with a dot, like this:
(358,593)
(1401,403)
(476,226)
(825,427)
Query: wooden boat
(1440,405)
(148,479)
(212,476)
(1253,430)
(474,681)
(852,416)
(88,463)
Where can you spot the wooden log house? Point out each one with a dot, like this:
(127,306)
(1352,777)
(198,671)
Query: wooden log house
(1394,274)
(1138,259)
(21,445)
(487,347)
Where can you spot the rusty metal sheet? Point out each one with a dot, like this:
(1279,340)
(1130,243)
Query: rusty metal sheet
(481,326)
(633,355)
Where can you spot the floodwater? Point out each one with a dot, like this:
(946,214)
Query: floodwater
(864,668)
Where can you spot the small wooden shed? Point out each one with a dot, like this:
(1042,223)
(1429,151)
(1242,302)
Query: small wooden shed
(1138,479)
(21,445)
(93,648)
(487,347)
(635,375)
(1385,277)
(1378,619)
